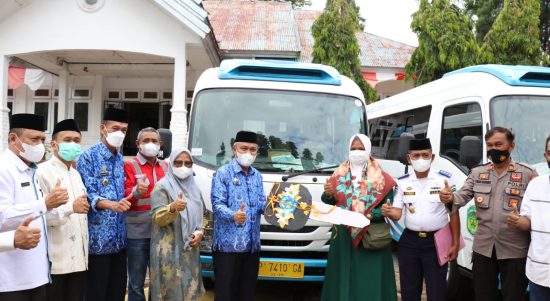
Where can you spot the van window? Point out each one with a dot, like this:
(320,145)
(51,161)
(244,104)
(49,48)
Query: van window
(459,121)
(386,130)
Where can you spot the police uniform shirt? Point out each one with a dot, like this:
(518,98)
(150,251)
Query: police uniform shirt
(20,197)
(494,196)
(422,209)
(536,206)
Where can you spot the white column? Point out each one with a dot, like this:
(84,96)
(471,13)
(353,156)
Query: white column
(62,111)
(178,121)
(4,117)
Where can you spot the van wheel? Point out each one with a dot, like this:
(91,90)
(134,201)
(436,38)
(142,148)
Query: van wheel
(459,286)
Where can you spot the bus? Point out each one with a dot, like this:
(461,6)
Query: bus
(304,115)
(455,112)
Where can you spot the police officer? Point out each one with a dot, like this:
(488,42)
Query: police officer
(496,187)
(417,195)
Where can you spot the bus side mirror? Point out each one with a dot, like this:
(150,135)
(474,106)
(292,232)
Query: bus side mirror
(166,148)
(403,147)
(470,151)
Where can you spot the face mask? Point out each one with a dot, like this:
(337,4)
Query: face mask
(32,153)
(358,157)
(548,164)
(149,149)
(245,159)
(421,165)
(69,151)
(115,139)
(182,172)
(498,156)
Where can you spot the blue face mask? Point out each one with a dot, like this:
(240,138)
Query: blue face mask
(69,151)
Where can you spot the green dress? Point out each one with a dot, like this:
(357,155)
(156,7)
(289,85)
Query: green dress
(175,274)
(355,274)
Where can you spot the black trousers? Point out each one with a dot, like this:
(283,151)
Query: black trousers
(486,271)
(107,277)
(417,261)
(35,294)
(235,275)
(68,287)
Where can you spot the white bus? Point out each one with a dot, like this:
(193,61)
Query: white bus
(304,115)
(455,112)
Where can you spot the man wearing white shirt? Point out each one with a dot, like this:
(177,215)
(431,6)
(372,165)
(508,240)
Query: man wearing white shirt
(67,224)
(534,216)
(24,237)
(25,273)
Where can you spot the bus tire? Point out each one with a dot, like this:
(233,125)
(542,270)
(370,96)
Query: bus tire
(459,286)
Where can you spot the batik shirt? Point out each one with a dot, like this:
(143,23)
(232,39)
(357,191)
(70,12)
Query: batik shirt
(231,187)
(103,175)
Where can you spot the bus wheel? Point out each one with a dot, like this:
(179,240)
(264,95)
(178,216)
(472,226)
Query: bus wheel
(459,286)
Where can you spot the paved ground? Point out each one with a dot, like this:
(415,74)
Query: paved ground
(294,291)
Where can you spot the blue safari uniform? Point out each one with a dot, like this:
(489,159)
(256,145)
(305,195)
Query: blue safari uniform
(231,187)
(103,175)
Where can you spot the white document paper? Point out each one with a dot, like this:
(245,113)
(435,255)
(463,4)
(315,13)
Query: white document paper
(338,216)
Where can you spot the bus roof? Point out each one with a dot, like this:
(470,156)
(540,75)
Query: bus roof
(279,71)
(530,76)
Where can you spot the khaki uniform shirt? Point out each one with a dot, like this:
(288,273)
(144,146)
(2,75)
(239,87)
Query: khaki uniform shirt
(494,196)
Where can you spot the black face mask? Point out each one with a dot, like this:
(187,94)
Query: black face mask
(498,156)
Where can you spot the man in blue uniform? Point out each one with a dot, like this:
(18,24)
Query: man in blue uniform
(102,171)
(418,195)
(238,199)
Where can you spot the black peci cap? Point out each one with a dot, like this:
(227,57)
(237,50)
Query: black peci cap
(115,114)
(245,136)
(27,121)
(66,125)
(420,144)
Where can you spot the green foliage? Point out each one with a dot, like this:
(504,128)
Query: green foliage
(514,37)
(486,12)
(545,25)
(445,41)
(336,44)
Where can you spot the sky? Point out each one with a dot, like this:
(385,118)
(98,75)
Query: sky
(387,18)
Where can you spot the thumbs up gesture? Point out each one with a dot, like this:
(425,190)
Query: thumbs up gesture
(446,195)
(179,204)
(80,204)
(142,186)
(25,237)
(57,196)
(123,205)
(240,215)
(512,220)
(329,190)
(386,208)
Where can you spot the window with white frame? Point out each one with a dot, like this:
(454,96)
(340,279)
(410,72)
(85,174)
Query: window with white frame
(11,94)
(81,93)
(149,95)
(81,114)
(42,94)
(113,95)
(130,95)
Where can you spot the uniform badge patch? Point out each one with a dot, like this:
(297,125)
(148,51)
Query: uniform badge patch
(484,176)
(513,202)
(409,193)
(479,199)
(515,191)
(516,177)
(105,182)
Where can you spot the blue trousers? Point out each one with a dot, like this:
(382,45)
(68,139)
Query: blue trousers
(138,262)
(538,292)
(418,260)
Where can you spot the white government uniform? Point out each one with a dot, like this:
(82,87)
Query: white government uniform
(20,196)
(421,196)
(67,231)
(6,241)
(536,206)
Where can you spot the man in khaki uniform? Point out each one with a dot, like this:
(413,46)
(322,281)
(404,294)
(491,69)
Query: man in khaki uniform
(496,187)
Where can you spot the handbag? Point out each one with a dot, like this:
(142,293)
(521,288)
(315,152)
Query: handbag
(377,237)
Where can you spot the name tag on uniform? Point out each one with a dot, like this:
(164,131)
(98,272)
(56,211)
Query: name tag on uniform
(434,192)
(103,174)
(409,193)
(483,182)
(25,184)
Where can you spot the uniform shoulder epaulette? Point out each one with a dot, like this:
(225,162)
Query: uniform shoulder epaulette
(526,165)
(445,173)
(479,165)
(404,176)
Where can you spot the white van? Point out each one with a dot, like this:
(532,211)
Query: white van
(455,112)
(304,115)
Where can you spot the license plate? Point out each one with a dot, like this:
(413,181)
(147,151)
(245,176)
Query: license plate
(279,269)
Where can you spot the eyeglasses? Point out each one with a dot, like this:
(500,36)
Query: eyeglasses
(180,163)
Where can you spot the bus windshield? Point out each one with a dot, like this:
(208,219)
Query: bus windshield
(296,130)
(528,118)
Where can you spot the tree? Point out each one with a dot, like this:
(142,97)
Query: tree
(319,157)
(514,37)
(545,25)
(445,41)
(336,44)
(307,155)
(485,12)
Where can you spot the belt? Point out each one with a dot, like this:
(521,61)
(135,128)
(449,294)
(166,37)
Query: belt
(422,234)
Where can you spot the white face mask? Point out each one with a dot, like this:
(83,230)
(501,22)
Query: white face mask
(149,149)
(358,157)
(182,172)
(32,153)
(115,139)
(421,165)
(245,159)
